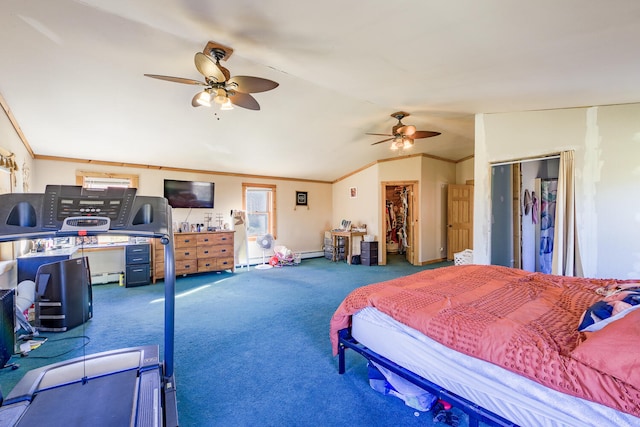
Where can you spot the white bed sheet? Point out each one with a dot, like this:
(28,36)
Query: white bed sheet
(505,393)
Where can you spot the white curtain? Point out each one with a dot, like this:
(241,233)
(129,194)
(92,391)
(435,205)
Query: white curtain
(241,244)
(566,257)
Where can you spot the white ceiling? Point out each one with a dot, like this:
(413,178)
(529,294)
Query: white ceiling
(72,75)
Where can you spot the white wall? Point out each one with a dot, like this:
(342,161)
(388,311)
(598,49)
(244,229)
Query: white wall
(464,171)
(432,177)
(10,141)
(298,228)
(362,209)
(436,175)
(606,141)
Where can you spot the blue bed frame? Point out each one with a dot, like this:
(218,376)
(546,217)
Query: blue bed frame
(475,412)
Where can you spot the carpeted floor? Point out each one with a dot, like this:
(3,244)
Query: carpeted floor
(252,348)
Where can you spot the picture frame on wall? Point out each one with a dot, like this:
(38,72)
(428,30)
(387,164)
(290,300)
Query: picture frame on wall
(301,198)
(353,192)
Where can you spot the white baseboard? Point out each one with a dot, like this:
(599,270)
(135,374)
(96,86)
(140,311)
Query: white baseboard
(103,278)
(303,255)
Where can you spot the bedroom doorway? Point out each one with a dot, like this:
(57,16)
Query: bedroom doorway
(399,221)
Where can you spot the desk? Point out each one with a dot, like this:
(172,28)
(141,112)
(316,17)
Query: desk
(107,261)
(348,235)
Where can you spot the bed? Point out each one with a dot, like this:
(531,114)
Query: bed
(503,344)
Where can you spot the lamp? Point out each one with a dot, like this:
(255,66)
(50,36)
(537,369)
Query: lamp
(397,143)
(401,142)
(227,105)
(204,99)
(221,96)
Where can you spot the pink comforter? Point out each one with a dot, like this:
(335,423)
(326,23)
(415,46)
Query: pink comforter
(524,322)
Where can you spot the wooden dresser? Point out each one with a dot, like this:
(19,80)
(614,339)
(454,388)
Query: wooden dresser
(196,253)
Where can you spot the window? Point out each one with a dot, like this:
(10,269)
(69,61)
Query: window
(104,180)
(259,201)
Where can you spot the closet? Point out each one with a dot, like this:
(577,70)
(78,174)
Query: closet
(523,196)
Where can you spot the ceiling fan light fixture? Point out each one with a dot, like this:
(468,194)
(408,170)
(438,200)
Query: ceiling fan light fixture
(397,143)
(218,83)
(221,97)
(204,99)
(227,105)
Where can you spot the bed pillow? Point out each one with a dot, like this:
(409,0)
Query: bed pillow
(614,349)
(606,311)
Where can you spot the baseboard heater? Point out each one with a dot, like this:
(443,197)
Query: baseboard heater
(103,278)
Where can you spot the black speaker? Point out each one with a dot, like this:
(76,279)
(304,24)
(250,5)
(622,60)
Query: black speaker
(64,298)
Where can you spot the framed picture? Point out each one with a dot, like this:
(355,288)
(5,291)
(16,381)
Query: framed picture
(301,198)
(353,192)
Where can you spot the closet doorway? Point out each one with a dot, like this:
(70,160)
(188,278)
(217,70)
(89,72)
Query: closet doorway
(399,220)
(523,195)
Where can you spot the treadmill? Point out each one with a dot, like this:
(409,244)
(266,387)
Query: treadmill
(124,387)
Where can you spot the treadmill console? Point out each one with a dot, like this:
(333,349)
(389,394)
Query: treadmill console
(74,208)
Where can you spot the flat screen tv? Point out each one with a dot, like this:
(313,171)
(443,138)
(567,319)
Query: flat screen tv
(189,194)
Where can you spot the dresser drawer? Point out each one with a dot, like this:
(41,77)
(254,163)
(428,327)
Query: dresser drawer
(186,266)
(214,251)
(207,264)
(369,260)
(137,254)
(215,264)
(215,239)
(137,275)
(186,253)
(185,240)
(226,263)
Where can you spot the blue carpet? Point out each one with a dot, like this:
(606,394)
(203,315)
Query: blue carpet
(252,348)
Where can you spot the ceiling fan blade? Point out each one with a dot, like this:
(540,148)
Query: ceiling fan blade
(208,68)
(379,134)
(249,84)
(407,130)
(384,140)
(424,134)
(177,79)
(244,100)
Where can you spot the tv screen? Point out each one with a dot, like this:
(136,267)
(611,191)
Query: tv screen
(189,194)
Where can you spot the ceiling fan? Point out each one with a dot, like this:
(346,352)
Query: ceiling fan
(402,135)
(219,86)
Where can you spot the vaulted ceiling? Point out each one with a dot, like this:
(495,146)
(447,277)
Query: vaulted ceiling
(72,74)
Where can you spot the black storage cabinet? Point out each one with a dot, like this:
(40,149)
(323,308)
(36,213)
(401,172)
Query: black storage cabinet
(369,253)
(137,265)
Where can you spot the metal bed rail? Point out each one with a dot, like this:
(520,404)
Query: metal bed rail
(475,412)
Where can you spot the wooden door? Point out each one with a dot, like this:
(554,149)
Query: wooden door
(459,218)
